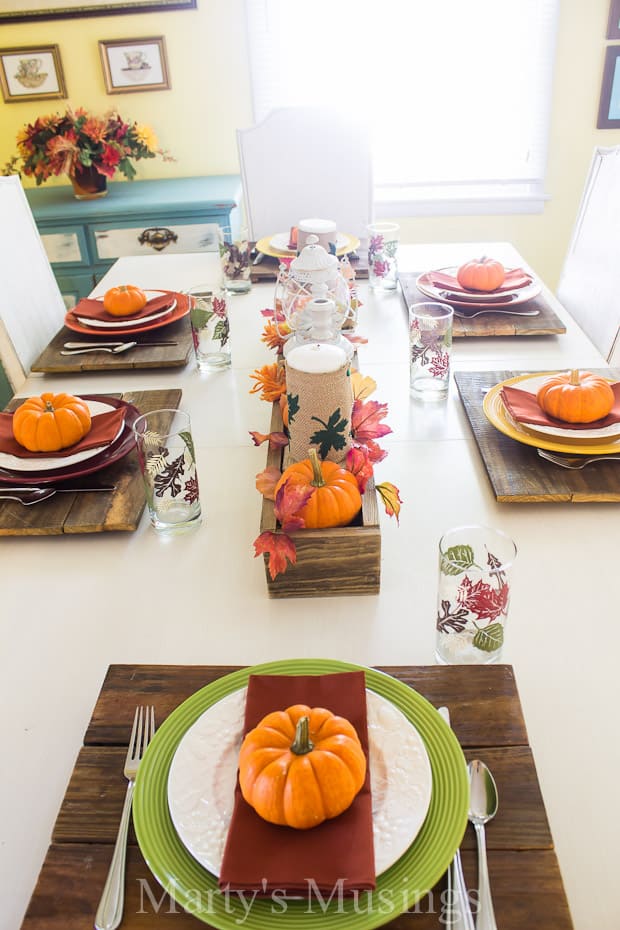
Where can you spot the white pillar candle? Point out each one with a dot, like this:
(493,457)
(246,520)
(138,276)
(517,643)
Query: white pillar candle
(316,358)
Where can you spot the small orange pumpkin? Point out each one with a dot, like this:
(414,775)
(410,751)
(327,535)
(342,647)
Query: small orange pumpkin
(301,766)
(124,300)
(482,274)
(51,422)
(576,397)
(336,498)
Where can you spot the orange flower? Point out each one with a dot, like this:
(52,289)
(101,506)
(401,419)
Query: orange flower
(275,336)
(271,380)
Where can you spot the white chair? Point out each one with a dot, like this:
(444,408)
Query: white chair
(31,307)
(304,162)
(589,285)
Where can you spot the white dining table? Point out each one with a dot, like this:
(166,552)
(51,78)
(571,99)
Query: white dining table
(72,605)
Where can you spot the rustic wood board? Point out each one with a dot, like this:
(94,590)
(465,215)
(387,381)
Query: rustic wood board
(341,560)
(177,356)
(502,323)
(267,269)
(487,718)
(516,471)
(101,511)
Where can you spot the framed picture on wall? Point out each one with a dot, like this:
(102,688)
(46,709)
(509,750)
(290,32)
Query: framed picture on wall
(609,107)
(31,73)
(134,65)
(23,11)
(613,23)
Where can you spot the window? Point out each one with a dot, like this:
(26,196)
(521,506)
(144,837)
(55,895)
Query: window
(457,92)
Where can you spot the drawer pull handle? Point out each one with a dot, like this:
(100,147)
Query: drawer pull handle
(157,237)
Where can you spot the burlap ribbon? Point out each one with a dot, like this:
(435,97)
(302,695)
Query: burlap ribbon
(319,412)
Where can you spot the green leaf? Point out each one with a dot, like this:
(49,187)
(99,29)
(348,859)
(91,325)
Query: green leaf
(189,442)
(332,435)
(221,331)
(293,406)
(200,317)
(457,559)
(490,638)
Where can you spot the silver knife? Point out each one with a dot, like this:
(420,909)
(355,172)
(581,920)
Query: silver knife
(66,488)
(97,345)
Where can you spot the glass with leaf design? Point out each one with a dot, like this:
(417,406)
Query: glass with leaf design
(475,568)
(383,241)
(168,464)
(430,343)
(210,327)
(235,251)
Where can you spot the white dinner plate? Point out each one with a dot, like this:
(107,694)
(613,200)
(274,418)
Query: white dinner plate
(203,775)
(502,300)
(124,322)
(280,242)
(34,463)
(600,434)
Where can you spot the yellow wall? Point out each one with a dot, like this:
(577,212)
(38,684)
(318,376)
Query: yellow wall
(210,98)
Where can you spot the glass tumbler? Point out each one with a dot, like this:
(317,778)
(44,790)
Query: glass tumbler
(235,259)
(210,327)
(430,342)
(383,241)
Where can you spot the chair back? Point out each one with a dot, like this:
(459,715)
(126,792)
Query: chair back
(303,162)
(31,306)
(589,285)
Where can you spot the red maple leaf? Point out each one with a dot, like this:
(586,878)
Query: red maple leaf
(481,599)
(290,499)
(281,549)
(365,418)
(359,464)
(266,481)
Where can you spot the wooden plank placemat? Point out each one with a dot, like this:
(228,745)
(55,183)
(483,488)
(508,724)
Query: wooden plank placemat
(267,269)
(486,717)
(176,356)
(516,471)
(97,512)
(501,323)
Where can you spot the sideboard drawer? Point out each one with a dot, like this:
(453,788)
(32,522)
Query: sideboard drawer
(66,246)
(112,243)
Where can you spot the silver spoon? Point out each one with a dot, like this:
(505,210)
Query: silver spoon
(471,316)
(575,462)
(482,808)
(29,497)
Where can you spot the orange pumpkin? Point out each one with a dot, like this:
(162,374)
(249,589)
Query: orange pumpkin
(301,766)
(483,274)
(124,300)
(51,422)
(576,397)
(336,498)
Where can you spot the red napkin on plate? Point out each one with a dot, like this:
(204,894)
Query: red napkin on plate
(261,856)
(523,407)
(104,428)
(515,278)
(93,309)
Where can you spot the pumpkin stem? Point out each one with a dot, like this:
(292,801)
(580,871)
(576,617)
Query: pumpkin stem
(574,377)
(302,742)
(317,475)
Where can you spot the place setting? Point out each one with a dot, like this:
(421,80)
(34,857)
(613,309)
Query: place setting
(487,298)
(546,436)
(269,251)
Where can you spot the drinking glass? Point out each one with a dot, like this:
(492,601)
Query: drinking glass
(382,255)
(235,258)
(475,568)
(430,342)
(168,465)
(210,327)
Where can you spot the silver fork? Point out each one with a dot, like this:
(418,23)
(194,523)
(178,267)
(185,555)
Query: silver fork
(110,910)
(575,462)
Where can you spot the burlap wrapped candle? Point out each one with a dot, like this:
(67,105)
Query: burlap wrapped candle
(320,399)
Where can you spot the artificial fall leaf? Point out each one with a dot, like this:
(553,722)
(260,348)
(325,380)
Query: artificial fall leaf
(290,498)
(363,386)
(271,380)
(259,438)
(276,440)
(390,495)
(365,418)
(273,314)
(356,340)
(359,464)
(275,336)
(281,549)
(266,481)
(375,452)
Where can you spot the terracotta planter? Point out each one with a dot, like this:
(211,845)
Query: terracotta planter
(88,184)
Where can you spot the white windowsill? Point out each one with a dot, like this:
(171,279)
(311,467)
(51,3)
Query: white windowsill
(452,200)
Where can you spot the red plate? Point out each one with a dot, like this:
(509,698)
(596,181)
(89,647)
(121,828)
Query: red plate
(182,309)
(112,453)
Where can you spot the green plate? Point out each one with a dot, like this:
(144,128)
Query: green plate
(398,888)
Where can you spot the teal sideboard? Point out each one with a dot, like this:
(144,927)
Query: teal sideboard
(83,238)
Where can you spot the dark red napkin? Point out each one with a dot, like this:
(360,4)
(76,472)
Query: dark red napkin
(93,309)
(515,278)
(104,427)
(260,856)
(523,407)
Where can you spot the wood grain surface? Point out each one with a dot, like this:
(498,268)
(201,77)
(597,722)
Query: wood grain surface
(97,512)
(486,715)
(501,323)
(267,269)
(176,356)
(516,471)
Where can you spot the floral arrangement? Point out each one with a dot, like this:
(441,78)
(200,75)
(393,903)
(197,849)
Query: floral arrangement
(76,140)
(365,452)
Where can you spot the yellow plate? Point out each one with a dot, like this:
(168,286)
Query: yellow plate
(497,414)
(264,246)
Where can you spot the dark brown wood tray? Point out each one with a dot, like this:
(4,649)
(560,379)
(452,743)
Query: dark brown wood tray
(502,323)
(487,719)
(267,269)
(176,356)
(100,511)
(516,471)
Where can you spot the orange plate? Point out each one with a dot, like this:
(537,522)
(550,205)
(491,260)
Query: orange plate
(182,309)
